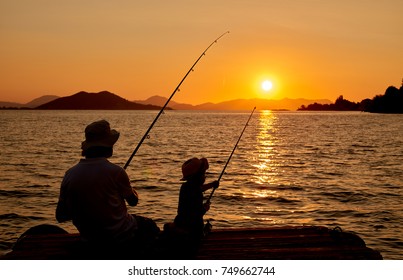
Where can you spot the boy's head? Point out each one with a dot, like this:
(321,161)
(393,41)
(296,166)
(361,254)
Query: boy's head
(194,167)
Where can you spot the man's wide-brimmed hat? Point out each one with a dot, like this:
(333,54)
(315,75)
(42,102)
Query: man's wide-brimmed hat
(99,134)
(193,167)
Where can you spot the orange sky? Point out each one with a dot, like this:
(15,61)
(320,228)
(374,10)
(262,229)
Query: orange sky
(309,48)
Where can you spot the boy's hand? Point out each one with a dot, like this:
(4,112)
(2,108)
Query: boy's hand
(215,184)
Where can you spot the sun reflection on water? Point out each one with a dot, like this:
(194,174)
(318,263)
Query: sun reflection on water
(264,193)
(266,167)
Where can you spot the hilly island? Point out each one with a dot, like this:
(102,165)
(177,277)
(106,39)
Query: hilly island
(390,102)
(105,100)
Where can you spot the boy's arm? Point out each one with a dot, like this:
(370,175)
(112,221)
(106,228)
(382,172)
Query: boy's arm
(213,184)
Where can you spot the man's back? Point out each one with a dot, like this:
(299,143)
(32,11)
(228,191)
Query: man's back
(93,192)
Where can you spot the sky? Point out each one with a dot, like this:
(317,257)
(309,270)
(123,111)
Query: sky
(136,49)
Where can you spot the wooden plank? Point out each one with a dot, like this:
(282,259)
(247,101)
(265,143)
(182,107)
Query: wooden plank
(285,243)
(253,243)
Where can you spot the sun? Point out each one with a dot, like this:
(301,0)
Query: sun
(267,85)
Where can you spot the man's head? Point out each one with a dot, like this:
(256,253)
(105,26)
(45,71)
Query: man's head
(99,136)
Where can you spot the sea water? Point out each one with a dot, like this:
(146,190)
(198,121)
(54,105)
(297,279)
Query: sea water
(290,168)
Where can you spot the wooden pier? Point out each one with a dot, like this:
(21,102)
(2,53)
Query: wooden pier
(274,243)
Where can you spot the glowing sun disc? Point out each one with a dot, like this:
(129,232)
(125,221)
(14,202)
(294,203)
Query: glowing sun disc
(267,85)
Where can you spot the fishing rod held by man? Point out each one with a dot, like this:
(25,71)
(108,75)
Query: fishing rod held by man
(169,99)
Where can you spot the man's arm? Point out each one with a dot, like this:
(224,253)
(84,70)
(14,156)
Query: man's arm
(62,215)
(125,188)
(133,198)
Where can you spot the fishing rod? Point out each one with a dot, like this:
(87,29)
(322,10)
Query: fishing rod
(222,172)
(169,99)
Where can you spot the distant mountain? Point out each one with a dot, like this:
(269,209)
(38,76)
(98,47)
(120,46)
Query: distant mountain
(41,100)
(32,104)
(5,104)
(160,101)
(108,101)
(103,100)
(238,104)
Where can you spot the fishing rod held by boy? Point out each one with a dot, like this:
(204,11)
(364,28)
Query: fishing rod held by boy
(233,150)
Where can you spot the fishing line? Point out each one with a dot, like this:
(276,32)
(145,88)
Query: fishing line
(169,99)
(233,150)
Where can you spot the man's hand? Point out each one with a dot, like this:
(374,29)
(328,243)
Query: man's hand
(133,199)
(206,206)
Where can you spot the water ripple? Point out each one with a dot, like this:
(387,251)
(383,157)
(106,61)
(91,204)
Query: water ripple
(292,168)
